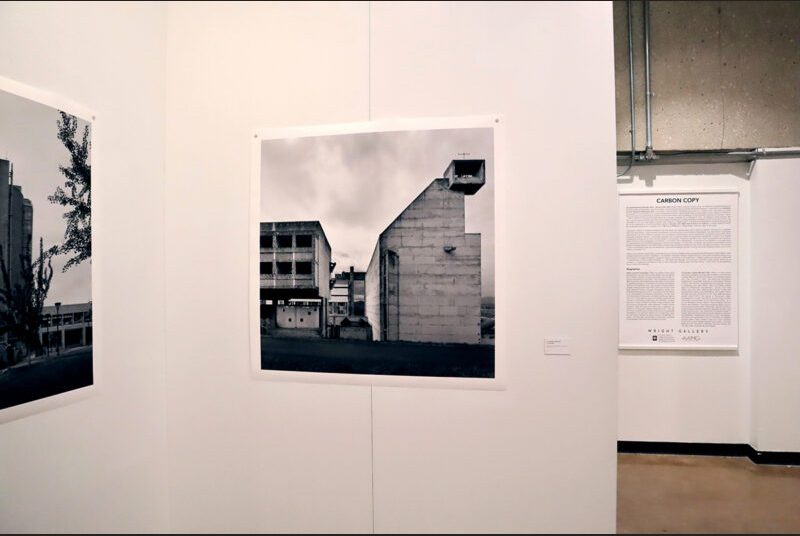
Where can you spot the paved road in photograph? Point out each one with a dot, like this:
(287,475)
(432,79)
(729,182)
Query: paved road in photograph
(46,378)
(386,358)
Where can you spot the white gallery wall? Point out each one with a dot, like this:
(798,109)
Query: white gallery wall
(748,396)
(248,455)
(99,465)
(539,456)
(251,455)
(179,436)
(775,266)
(691,396)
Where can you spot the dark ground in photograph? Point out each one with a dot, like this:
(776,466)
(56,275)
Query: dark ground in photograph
(384,358)
(40,379)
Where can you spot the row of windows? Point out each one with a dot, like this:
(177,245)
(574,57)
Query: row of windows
(285,241)
(60,320)
(285,268)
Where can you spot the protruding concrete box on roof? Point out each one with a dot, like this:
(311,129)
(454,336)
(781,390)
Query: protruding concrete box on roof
(466,176)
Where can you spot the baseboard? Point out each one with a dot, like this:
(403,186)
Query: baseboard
(774,458)
(709,449)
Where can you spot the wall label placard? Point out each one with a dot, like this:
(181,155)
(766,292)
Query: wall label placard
(678,286)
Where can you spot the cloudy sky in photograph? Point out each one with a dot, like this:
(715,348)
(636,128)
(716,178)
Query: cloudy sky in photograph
(29,140)
(357,184)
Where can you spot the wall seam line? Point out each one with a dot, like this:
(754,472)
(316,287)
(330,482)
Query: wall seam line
(371,388)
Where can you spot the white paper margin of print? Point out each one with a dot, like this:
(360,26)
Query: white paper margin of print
(496,122)
(58,102)
(621,288)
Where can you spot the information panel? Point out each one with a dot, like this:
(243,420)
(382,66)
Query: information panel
(678,271)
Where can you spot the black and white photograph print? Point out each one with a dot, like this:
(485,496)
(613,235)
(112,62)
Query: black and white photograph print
(45,251)
(376,253)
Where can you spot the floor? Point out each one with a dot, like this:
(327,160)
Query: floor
(705,494)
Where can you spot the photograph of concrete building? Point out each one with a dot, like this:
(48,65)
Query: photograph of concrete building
(408,219)
(45,251)
(294,268)
(423,280)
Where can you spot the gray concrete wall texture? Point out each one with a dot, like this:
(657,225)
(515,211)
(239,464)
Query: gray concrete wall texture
(20,242)
(439,291)
(322,270)
(725,74)
(372,300)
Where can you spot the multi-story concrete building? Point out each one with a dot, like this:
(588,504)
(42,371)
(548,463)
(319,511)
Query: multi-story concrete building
(295,272)
(338,305)
(16,224)
(347,296)
(66,325)
(424,279)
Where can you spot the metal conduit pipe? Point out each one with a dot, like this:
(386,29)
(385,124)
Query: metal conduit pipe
(648,150)
(632,102)
(712,156)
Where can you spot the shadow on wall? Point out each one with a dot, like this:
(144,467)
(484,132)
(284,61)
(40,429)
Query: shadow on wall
(648,173)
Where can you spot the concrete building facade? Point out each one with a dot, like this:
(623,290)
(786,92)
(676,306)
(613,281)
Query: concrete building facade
(66,325)
(347,296)
(338,305)
(346,309)
(295,268)
(423,283)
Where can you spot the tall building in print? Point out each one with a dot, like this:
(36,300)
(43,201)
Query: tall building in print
(16,224)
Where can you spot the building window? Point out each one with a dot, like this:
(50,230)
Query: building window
(303,241)
(303,268)
(266,241)
(284,268)
(266,268)
(284,241)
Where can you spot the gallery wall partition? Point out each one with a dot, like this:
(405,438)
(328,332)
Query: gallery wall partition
(437,453)
(482,234)
(248,455)
(263,455)
(775,402)
(93,462)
